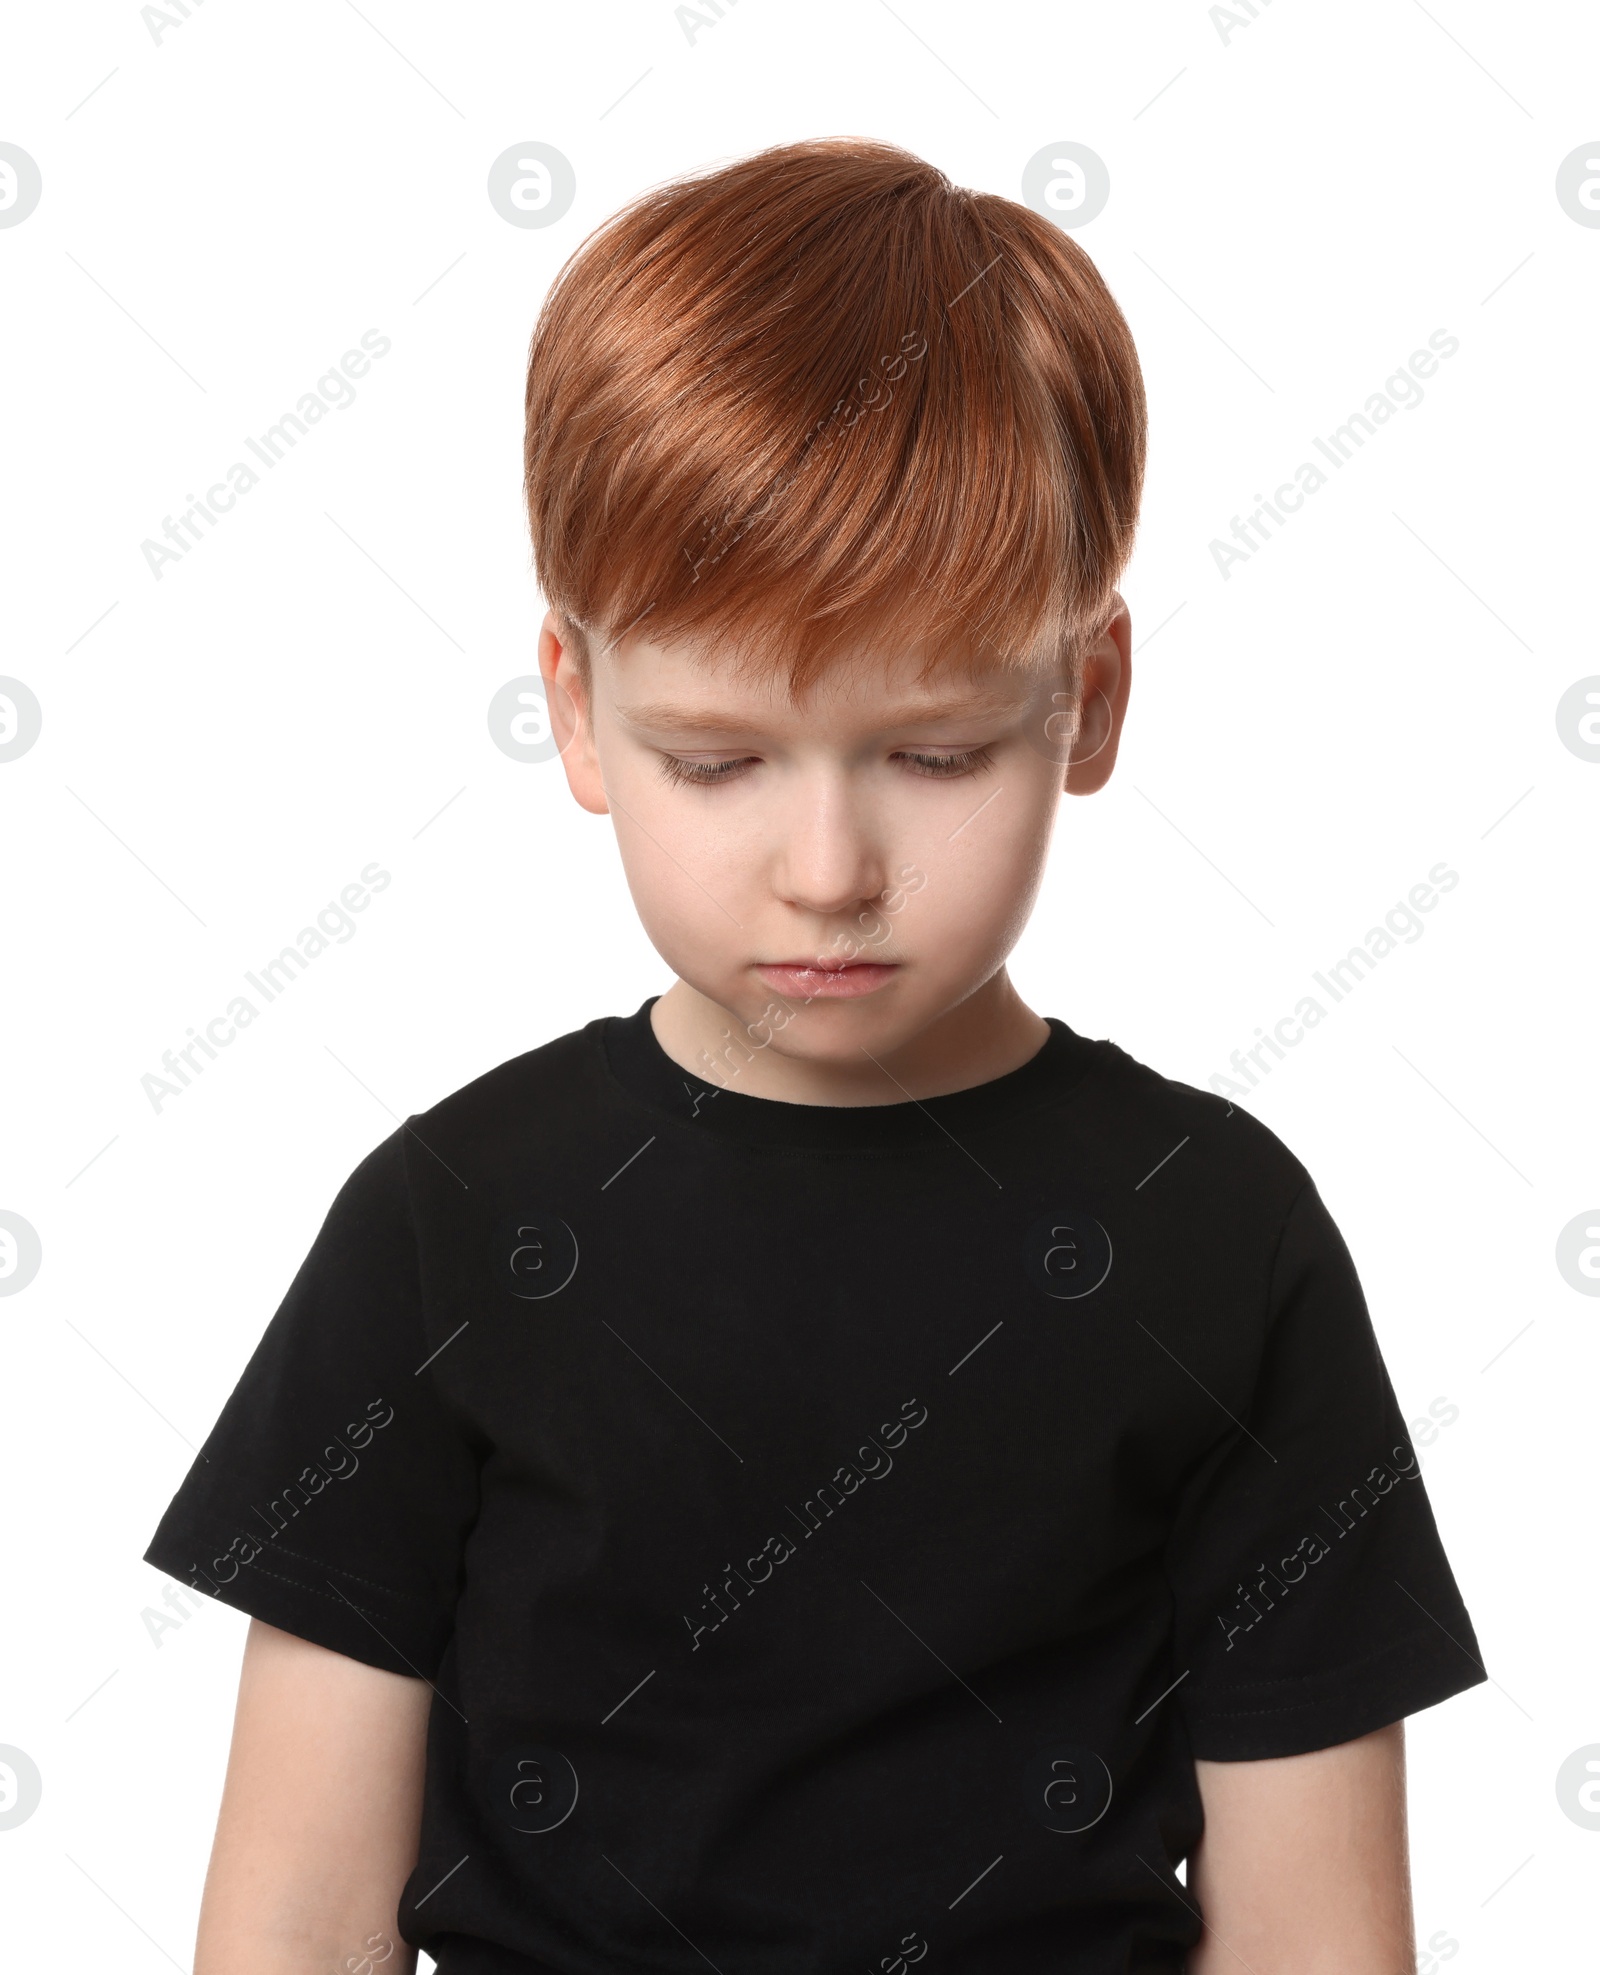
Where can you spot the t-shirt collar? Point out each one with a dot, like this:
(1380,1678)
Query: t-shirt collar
(633,1057)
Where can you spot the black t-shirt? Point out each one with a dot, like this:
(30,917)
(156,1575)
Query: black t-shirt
(831,1533)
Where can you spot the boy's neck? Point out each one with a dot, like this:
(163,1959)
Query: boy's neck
(838,1054)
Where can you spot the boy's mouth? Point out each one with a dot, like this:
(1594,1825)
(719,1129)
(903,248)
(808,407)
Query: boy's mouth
(809,980)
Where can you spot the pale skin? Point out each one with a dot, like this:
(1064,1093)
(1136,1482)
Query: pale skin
(801,851)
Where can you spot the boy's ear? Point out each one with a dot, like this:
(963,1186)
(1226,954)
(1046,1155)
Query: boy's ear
(1107,677)
(568,701)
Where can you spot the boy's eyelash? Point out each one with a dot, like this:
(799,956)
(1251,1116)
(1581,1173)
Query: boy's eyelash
(938,767)
(947,766)
(698,774)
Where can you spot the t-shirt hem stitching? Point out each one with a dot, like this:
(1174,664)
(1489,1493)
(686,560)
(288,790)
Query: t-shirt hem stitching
(338,1570)
(198,1540)
(1417,1649)
(309,1590)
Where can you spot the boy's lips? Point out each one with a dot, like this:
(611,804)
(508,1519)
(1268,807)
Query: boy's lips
(810,981)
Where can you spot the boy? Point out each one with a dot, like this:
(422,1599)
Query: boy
(832,1469)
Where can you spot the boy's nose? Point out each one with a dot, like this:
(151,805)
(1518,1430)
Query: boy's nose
(831,858)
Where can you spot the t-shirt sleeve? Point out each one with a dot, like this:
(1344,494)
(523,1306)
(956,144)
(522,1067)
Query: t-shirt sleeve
(335,1492)
(1314,1601)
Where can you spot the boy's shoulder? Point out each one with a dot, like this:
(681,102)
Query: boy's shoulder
(540,1093)
(1140,1105)
(523,1115)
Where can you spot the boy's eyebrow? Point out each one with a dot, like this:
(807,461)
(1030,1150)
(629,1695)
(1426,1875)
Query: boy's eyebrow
(666,716)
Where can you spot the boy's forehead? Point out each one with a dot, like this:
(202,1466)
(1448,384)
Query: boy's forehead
(662,687)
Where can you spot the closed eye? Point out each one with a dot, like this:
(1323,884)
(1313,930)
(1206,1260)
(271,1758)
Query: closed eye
(974,761)
(698,774)
(938,767)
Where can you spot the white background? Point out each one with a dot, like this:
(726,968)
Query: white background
(1296,204)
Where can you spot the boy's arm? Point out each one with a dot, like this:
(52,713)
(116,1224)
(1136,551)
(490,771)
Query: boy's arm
(1303,1867)
(321,1810)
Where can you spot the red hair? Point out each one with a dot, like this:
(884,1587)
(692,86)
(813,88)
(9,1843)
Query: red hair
(822,398)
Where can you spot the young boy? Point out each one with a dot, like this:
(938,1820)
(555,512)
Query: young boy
(832,1470)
